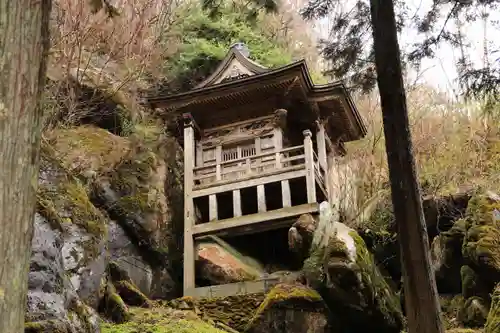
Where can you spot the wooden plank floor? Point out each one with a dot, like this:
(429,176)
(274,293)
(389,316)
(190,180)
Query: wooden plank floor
(254,222)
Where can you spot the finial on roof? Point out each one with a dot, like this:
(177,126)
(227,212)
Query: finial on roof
(240,46)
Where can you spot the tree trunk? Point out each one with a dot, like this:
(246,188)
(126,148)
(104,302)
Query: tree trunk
(422,307)
(24,44)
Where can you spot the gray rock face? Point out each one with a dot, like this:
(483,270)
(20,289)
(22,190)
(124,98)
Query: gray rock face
(51,294)
(124,253)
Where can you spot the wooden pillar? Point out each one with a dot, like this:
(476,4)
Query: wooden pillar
(218,160)
(189,213)
(278,145)
(321,143)
(212,208)
(261,199)
(285,193)
(279,125)
(237,203)
(309,161)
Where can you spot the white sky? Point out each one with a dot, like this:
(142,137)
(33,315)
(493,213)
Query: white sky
(441,72)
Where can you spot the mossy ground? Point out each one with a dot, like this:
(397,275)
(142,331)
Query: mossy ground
(160,320)
(85,148)
(493,320)
(233,311)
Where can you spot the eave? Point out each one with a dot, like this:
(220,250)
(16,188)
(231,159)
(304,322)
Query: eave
(313,93)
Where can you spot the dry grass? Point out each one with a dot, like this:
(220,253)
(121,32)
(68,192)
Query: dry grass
(454,145)
(91,52)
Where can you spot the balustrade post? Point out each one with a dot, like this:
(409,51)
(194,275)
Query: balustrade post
(309,163)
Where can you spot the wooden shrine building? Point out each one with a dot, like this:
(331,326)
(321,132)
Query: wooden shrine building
(257,143)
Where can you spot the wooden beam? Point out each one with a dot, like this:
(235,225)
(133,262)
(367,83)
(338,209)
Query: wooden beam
(231,289)
(189,212)
(253,220)
(279,175)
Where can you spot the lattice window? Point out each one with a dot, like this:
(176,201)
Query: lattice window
(239,151)
(209,156)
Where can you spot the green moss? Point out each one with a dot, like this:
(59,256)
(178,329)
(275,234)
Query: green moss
(52,326)
(450,308)
(482,243)
(470,285)
(131,295)
(161,320)
(63,198)
(85,148)
(376,288)
(233,311)
(113,306)
(493,320)
(285,293)
(131,179)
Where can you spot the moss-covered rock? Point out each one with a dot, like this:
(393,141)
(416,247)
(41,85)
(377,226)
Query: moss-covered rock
(474,312)
(131,295)
(113,307)
(124,177)
(493,320)
(161,320)
(53,326)
(447,260)
(289,308)
(482,242)
(343,271)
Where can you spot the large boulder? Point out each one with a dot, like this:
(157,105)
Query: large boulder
(343,271)
(219,263)
(68,253)
(300,235)
(129,181)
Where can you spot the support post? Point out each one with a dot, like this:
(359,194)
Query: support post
(309,158)
(218,160)
(285,193)
(321,143)
(237,203)
(189,213)
(261,199)
(212,208)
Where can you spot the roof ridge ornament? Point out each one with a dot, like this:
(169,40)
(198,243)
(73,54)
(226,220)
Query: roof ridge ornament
(242,48)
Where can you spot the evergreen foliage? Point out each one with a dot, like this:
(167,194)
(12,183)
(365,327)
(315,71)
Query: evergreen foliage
(349,49)
(205,40)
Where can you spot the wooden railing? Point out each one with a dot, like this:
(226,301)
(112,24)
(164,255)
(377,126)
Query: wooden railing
(249,166)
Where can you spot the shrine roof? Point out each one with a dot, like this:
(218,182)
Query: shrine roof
(239,81)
